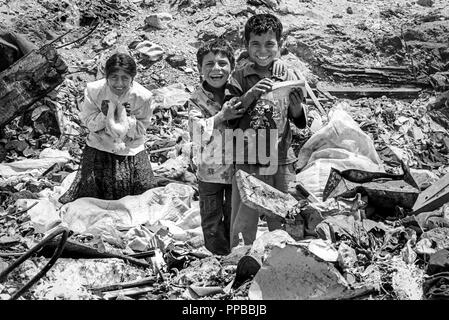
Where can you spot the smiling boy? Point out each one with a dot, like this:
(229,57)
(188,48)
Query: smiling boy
(263,40)
(208,119)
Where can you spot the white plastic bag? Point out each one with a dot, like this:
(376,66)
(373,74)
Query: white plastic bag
(340,144)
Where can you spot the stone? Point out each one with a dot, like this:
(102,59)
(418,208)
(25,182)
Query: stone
(189,70)
(4,296)
(391,42)
(287,274)
(150,51)
(349,10)
(347,256)
(413,34)
(60,176)
(158,20)
(425,3)
(17,145)
(176,60)
(440,80)
(110,39)
(3,266)
(444,53)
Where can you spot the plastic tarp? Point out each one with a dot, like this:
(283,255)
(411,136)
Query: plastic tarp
(43,215)
(172,202)
(34,167)
(340,144)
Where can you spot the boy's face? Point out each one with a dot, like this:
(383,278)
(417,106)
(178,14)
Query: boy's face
(263,48)
(215,69)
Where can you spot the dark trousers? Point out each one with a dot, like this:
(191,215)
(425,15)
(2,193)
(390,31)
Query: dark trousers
(215,210)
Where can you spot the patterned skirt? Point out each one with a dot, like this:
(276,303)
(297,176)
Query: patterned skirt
(108,176)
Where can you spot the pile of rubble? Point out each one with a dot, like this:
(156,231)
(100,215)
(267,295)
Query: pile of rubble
(359,225)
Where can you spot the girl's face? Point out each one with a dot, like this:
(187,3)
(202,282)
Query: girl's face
(215,69)
(119,82)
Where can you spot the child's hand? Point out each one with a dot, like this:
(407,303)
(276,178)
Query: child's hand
(261,87)
(105,107)
(121,112)
(232,109)
(279,69)
(296,98)
(127,108)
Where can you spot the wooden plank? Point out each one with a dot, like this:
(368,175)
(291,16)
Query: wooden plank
(310,92)
(433,197)
(373,92)
(28,80)
(125,285)
(128,292)
(77,250)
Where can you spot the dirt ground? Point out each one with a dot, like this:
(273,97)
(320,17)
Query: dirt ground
(364,33)
(334,42)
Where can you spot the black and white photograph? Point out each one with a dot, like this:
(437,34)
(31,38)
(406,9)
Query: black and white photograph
(217,155)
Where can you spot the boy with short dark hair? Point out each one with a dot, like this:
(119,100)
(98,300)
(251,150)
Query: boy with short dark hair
(263,40)
(208,118)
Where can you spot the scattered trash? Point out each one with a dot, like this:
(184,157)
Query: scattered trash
(370,115)
(43,213)
(262,197)
(110,39)
(340,144)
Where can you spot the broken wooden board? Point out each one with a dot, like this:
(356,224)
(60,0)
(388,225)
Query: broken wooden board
(433,197)
(382,191)
(77,250)
(129,292)
(380,75)
(262,197)
(28,80)
(372,92)
(125,285)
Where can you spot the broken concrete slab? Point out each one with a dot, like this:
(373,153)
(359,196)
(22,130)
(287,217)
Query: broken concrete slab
(291,273)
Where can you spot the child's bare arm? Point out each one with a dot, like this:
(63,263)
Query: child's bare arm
(297,109)
(279,69)
(256,91)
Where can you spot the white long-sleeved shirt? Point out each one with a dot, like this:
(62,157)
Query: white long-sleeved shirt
(140,100)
